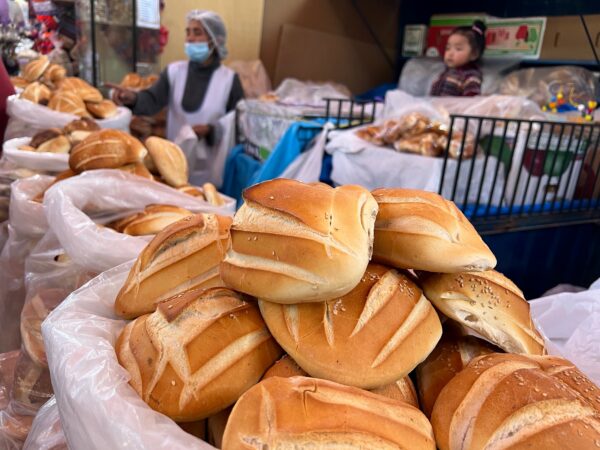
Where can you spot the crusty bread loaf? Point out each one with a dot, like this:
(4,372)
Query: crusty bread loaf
(372,336)
(152,220)
(34,312)
(169,160)
(43,136)
(197,353)
(423,231)
(136,149)
(184,255)
(54,73)
(36,92)
(211,194)
(293,242)
(131,80)
(103,109)
(192,190)
(503,401)
(77,130)
(104,149)
(34,69)
(285,367)
(19,82)
(81,88)
(302,412)
(68,102)
(452,354)
(59,144)
(138,169)
(488,303)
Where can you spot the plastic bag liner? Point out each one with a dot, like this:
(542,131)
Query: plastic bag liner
(46,431)
(26,118)
(570,324)
(27,224)
(98,409)
(76,206)
(39,161)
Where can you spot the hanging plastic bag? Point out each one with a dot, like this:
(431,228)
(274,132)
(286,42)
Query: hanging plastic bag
(26,118)
(77,207)
(39,161)
(46,431)
(80,336)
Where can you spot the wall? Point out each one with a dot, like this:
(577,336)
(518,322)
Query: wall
(242,18)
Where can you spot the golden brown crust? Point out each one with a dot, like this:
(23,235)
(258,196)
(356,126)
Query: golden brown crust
(192,190)
(34,69)
(45,135)
(152,220)
(68,102)
(36,92)
(212,195)
(138,169)
(197,353)
(285,367)
(80,88)
(299,412)
(103,109)
(104,149)
(19,82)
(169,160)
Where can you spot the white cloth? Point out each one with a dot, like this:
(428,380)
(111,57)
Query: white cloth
(180,122)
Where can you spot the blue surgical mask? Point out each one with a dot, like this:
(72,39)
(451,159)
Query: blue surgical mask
(197,51)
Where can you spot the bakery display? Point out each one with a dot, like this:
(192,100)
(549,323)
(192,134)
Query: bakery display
(488,303)
(372,336)
(197,353)
(68,102)
(152,220)
(423,231)
(300,412)
(517,401)
(183,256)
(294,242)
(168,160)
(105,149)
(37,93)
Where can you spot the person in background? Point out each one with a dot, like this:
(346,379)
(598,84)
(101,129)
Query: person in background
(462,76)
(198,92)
(6,90)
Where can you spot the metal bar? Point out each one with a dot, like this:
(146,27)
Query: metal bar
(520,166)
(339,114)
(597,174)
(531,166)
(487,208)
(569,142)
(587,147)
(460,154)
(510,164)
(568,183)
(589,37)
(483,171)
(440,190)
(379,44)
(93,38)
(135,35)
(556,154)
(327,109)
(473,159)
(539,182)
(362,114)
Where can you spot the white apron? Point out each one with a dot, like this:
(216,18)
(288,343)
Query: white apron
(180,122)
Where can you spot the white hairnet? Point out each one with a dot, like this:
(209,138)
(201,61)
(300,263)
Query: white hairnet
(214,26)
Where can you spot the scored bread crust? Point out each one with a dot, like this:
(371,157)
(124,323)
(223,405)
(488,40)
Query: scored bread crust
(68,102)
(197,353)
(503,401)
(294,242)
(423,231)
(302,412)
(81,88)
(102,110)
(169,159)
(488,303)
(34,69)
(183,256)
(152,220)
(36,92)
(373,336)
(106,149)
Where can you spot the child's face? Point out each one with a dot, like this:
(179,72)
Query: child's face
(458,51)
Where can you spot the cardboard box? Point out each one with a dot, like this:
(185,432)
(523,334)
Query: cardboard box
(565,38)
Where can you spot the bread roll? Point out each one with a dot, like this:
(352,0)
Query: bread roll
(19,82)
(131,80)
(212,195)
(488,303)
(285,367)
(79,129)
(293,242)
(43,136)
(505,401)
(452,354)
(103,109)
(55,73)
(169,159)
(104,149)
(197,353)
(148,81)
(138,169)
(136,148)
(37,93)
(302,412)
(423,231)
(33,314)
(184,255)
(152,220)
(372,336)
(191,190)
(81,88)
(59,144)
(68,102)
(34,69)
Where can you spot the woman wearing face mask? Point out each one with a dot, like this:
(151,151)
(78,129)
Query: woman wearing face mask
(198,92)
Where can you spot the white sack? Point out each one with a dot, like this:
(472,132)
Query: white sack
(46,430)
(39,161)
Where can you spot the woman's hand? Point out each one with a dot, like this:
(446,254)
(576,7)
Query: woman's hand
(124,97)
(202,130)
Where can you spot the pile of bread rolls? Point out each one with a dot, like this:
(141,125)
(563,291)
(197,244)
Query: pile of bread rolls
(137,82)
(47,84)
(302,323)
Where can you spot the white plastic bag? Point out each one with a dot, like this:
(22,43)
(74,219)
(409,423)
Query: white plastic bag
(102,195)
(39,161)
(570,324)
(27,118)
(98,408)
(46,431)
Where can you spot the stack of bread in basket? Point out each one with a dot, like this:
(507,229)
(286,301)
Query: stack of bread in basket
(303,322)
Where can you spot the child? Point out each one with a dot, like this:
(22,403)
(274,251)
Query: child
(462,76)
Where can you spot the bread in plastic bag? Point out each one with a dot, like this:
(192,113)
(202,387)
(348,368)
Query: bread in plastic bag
(39,161)
(98,408)
(294,92)
(46,431)
(77,206)
(27,118)
(253,76)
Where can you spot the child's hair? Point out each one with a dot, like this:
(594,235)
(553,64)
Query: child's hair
(475,34)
